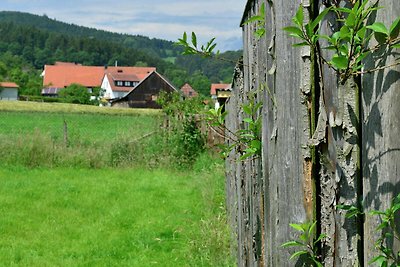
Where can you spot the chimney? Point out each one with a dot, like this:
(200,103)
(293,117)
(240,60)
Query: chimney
(116,63)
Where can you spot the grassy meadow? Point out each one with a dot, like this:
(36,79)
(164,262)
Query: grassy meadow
(109,196)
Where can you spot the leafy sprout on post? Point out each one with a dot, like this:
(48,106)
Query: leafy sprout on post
(191,47)
(350,42)
(260,19)
(306,243)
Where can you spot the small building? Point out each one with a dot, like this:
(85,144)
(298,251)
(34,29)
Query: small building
(145,94)
(119,81)
(188,91)
(8,91)
(220,92)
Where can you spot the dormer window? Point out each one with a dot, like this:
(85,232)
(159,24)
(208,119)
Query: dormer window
(127,83)
(119,83)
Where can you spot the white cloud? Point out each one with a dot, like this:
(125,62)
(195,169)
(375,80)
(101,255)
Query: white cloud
(153,18)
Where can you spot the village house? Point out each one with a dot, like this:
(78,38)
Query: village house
(8,91)
(220,92)
(116,82)
(145,93)
(188,91)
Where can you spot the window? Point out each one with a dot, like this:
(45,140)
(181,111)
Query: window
(119,83)
(154,97)
(127,83)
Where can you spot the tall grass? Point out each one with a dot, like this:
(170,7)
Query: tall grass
(71,108)
(109,217)
(108,196)
(94,141)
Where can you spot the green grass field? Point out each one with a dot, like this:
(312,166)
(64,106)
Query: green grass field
(70,213)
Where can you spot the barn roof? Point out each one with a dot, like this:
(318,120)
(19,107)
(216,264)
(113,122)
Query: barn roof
(249,5)
(220,86)
(8,85)
(141,82)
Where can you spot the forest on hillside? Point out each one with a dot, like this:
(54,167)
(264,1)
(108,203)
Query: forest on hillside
(28,42)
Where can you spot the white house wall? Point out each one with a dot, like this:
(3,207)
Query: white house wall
(108,92)
(106,86)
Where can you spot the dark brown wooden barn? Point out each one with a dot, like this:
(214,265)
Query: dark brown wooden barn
(145,94)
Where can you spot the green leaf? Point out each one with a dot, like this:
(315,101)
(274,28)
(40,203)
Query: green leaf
(246,155)
(381,38)
(184,37)
(299,18)
(344,33)
(247,109)
(248,120)
(377,212)
(396,207)
(379,260)
(321,236)
(395,29)
(292,244)
(211,49)
(258,105)
(254,19)
(194,39)
(300,44)
(340,62)
(298,253)
(350,20)
(379,27)
(343,9)
(256,144)
(260,17)
(382,226)
(361,32)
(297,227)
(311,229)
(318,19)
(262,10)
(260,32)
(319,264)
(295,31)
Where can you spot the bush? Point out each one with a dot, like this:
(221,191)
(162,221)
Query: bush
(76,94)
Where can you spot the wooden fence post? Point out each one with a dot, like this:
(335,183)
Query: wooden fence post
(357,150)
(380,100)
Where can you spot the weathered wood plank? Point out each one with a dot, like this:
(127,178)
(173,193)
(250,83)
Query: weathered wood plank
(381,131)
(339,160)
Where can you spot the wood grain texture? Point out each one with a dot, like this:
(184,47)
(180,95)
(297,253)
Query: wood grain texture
(357,144)
(381,134)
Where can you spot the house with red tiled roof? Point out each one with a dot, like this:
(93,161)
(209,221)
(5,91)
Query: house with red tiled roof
(8,91)
(188,91)
(115,81)
(220,92)
(119,81)
(62,75)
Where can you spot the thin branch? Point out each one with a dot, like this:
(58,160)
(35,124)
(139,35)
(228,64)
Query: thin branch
(377,69)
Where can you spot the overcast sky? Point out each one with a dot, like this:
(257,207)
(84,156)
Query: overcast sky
(165,19)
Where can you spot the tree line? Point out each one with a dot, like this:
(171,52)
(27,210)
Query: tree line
(25,49)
